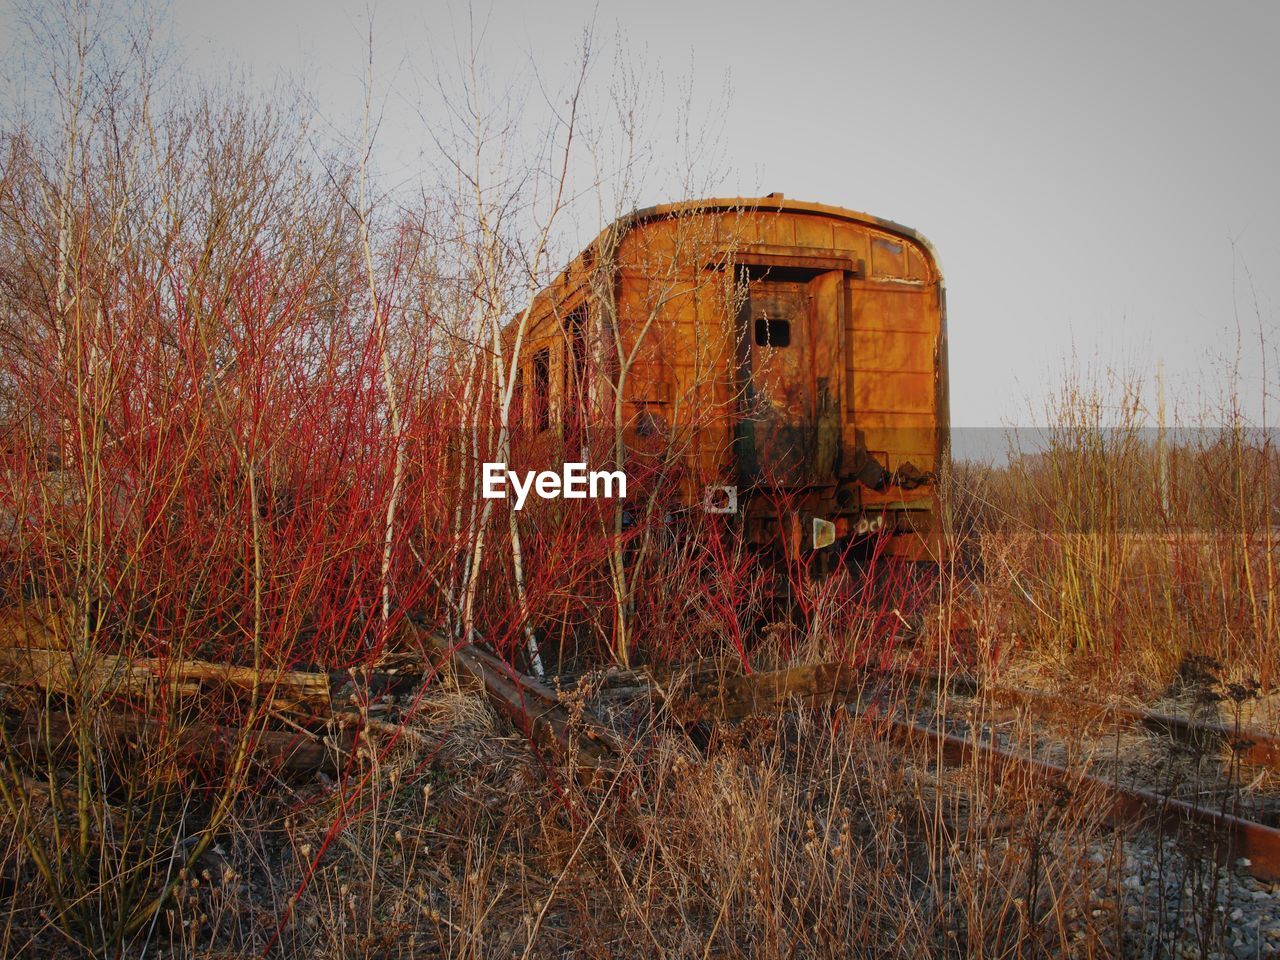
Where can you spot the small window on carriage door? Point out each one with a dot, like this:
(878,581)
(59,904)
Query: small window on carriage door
(772,332)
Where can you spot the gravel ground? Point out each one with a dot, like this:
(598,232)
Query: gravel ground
(1174,903)
(1175,906)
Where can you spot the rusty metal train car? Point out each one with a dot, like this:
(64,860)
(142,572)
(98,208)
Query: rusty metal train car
(790,358)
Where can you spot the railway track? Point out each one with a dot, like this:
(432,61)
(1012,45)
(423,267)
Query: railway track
(714,691)
(710,691)
(1256,845)
(1239,837)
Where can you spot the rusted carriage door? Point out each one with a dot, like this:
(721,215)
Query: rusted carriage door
(791,370)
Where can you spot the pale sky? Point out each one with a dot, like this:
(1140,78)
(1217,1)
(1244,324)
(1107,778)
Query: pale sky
(1102,175)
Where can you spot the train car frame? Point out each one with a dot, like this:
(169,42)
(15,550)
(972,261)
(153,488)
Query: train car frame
(788,358)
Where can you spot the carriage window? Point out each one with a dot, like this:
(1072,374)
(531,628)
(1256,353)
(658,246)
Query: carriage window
(575,367)
(541,390)
(517,415)
(772,333)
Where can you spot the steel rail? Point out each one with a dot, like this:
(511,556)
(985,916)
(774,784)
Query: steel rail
(711,693)
(537,710)
(1256,844)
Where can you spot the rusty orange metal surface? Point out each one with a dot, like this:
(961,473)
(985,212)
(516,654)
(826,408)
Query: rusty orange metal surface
(774,346)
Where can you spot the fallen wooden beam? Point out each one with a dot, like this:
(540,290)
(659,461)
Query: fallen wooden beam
(25,628)
(39,732)
(35,800)
(718,690)
(62,671)
(721,690)
(1251,746)
(533,707)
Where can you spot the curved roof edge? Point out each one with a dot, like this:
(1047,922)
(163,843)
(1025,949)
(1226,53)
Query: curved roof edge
(777,204)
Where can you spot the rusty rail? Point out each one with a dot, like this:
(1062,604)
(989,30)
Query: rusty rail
(702,693)
(1237,836)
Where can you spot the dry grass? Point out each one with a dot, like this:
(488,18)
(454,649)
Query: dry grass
(796,835)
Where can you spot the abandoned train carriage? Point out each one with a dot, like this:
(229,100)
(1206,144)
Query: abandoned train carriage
(790,357)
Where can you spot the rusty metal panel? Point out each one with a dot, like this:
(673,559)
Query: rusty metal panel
(892,392)
(652,383)
(851,241)
(894,307)
(908,351)
(777,228)
(812,231)
(917,268)
(888,256)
